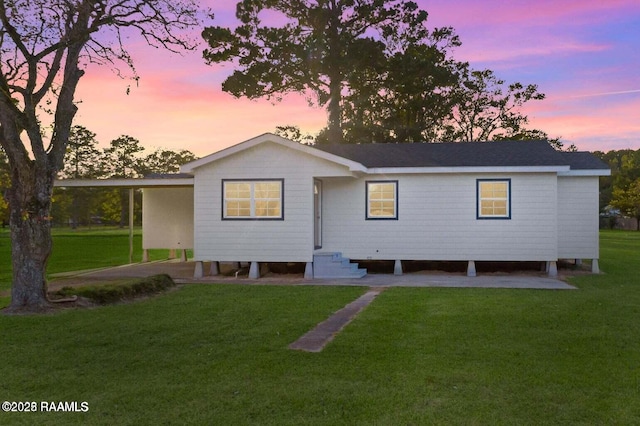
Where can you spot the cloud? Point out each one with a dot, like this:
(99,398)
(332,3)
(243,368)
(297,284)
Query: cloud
(505,35)
(620,92)
(590,119)
(494,49)
(472,13)
(184,115)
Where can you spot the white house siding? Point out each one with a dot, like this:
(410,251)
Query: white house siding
(437,220)
(288,240)
(167,218)
(578,217)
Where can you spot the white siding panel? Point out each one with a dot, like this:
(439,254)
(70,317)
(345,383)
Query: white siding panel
(288,240)
(578,236)
(167,218)
(437,220)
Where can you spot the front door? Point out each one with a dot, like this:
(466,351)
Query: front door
(317,214)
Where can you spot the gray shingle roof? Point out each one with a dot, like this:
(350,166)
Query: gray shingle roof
(584,161)
(168,176)
(464,154)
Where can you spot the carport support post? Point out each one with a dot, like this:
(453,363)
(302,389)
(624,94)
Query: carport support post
(130,225)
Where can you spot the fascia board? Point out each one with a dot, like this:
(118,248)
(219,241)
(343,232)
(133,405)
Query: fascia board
(593,172)
(268,137)
(189,167)
(123,183)
(478,169)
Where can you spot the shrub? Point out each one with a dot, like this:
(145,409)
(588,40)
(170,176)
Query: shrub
(113,293)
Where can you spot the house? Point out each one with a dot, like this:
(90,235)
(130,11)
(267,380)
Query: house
(269,199)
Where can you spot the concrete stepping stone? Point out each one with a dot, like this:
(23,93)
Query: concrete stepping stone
(316,339)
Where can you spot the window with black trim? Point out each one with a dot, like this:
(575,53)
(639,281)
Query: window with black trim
(493,198)
(252,199)
(382,199)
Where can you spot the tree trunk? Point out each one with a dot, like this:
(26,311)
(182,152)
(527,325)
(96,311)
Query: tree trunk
(335,113)
(30,207)
(334,72)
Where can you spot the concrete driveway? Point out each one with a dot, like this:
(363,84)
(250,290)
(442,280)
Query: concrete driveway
(182,272)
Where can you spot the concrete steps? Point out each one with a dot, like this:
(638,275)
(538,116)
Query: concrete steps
(333,265)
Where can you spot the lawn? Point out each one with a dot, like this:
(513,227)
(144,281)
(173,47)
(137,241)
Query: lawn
(75,250)
(217,354)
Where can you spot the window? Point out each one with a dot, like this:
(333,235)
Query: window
(382,200)
(252,199)
(494,198)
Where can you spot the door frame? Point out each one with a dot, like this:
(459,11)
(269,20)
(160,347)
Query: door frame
(317,214)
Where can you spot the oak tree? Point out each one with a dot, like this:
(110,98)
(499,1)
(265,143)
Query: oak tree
(46,47)
(310,46)
(407,96)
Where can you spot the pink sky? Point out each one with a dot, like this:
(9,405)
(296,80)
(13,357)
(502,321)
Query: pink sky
(583,54)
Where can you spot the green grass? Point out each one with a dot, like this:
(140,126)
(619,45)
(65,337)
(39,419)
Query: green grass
(81,249)
(217,354)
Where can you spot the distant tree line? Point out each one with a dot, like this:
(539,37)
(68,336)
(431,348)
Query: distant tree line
(125,157)
(620,192)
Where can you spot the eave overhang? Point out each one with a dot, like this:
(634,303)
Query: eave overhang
(124,183)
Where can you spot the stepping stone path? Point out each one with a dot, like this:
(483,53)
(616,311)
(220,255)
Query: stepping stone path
(316,339)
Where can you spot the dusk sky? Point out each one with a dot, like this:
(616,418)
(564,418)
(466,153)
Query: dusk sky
(583,54)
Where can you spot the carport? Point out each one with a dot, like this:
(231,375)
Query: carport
(167,209)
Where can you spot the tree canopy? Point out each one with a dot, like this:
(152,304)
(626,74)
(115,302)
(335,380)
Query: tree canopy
(484,107)
(315,48)
(382,74)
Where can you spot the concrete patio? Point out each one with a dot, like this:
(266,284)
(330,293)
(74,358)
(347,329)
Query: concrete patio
(182,272)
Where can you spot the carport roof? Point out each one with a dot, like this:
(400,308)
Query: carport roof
(149,181)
